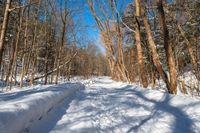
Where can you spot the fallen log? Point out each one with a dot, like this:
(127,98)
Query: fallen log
(54,70)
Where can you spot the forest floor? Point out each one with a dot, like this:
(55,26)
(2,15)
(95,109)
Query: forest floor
(106,106)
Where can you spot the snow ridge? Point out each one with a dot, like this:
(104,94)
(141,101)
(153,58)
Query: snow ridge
(17,114)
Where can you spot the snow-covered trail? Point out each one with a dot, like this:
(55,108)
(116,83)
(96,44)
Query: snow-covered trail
(20,109)
(106,106)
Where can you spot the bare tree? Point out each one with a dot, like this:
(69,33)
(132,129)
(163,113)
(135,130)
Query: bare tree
(106,28)
(4,28)
(168,48)
(154,51)
(143,74)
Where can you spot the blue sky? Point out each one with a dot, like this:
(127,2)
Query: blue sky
(89,29)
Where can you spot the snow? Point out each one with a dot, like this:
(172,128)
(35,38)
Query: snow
(104,106)
(19,109)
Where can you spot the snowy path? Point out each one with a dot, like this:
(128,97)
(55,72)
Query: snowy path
(110,107)
(20,109)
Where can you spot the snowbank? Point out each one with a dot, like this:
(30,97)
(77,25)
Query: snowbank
(19,109)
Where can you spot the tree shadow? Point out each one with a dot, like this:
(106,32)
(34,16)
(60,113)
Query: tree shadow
(50,120)
(111,99)
(125,96)
(182,123)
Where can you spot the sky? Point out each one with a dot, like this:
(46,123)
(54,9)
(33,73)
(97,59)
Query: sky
(83,18)
(88,29)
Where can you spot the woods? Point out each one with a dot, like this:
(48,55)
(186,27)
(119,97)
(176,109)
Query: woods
(153,28)
(100,66)
(39,44)
(146,42)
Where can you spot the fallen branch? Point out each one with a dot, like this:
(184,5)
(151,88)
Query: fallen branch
(54,70)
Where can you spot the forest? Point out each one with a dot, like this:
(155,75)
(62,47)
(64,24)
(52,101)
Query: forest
(39,40)
(106,50)
(144,41)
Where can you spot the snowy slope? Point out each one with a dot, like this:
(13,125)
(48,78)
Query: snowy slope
(21,108)
(106,106)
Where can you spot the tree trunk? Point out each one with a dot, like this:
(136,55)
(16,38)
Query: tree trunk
(46,44)
(46,69)
(25,60)
(191,53)
(64,21)
(60,55)
(154,52)
(35,48)
(168,49)
(2,71)
(142,72)
(4,28)
(16,47)
(11,58)
(10,67)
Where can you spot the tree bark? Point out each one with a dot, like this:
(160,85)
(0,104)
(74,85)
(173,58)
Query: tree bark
(125,75)
(191,53)
(154,52)
(25,56)
(4,28)
(35,48)
(168,49)
(142,72)
(64,22)
(14,64)
(46,44)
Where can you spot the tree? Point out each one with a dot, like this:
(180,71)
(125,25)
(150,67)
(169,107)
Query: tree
(4,28)
(138,44)
(152,46)
(107,28)
(168,48)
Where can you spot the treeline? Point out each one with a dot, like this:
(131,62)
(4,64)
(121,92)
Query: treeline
(39,41)
(149,40)
(145,41)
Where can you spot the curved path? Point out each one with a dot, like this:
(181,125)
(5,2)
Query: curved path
(106,106)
